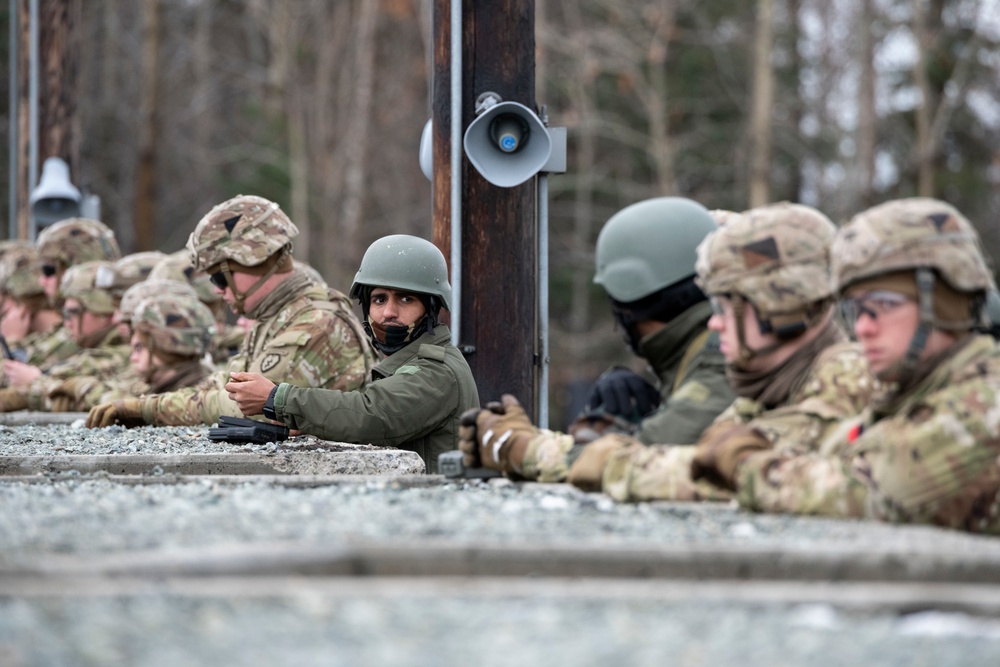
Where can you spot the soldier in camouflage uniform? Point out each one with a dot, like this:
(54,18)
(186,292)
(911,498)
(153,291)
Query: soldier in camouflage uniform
(60,246)
(128,271)
(912,278)
(228,337)
(299,336)
(83,392)
(87,315)
(793,371)
(27,313)
(421,386)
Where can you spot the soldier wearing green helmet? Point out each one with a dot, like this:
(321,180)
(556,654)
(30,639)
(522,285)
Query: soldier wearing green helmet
(645,259)
(911,277)
(422,384)
(302,333)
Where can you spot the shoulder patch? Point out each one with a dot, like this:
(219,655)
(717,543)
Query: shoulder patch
(431,352)
(269,361)
(693,392)
(407,370)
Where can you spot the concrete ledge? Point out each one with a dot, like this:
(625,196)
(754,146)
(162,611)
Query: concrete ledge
(285,481)
(429,558)
(30,418)
(370,462)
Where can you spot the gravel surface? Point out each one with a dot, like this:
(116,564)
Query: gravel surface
(399,625)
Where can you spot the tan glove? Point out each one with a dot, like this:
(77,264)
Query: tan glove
(721,450)
(588,428)
(12,399)
(496,437)
(127,412)
(66,396)
(587,471)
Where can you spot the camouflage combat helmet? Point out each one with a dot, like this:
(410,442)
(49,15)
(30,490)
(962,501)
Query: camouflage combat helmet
(78,283)
(911,234)
(77,240)
(406,263)
(176,324)
(177,266)
(776,257)
(128,271)
(309,270)
(19,272)
(149,288)
(650,245)
(245,229)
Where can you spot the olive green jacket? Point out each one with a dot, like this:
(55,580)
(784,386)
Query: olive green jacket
(414,401)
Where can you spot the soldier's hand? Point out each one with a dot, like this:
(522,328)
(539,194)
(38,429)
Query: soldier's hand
(587,472)
(66,396)
(721,450)
(623,393)
(588,427)
(12,399)
(19,373)
(126,411)
(497,436)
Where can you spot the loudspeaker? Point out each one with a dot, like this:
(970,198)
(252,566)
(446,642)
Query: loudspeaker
(55,198)
(507,144)
(427,150)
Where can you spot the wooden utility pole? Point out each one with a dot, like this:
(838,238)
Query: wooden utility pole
(58,55)
(498,323)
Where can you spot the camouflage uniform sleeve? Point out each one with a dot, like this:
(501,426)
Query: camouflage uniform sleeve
(684,414)
(203,403)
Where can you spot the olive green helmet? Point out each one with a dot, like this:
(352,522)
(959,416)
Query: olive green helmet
(245,229)
(19,272)
(177,266)
(176,324)
(78,283)
(128,271)
(915,233)
(777,257)
(406,263)
(151,288)
(650,245)
(77,240)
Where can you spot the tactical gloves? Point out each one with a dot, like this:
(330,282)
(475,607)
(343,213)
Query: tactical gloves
(67,395)
(127,412)
(12,399)
(623,393)
(496,437)
(587,472)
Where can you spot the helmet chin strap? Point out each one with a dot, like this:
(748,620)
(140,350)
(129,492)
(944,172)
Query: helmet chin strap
(239,299)
(746,353)
(904,369)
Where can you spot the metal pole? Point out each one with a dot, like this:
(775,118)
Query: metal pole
(543,299)
(456,171)
(12,54)
(33,108)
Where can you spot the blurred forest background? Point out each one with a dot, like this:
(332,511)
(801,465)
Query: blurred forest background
(319,105)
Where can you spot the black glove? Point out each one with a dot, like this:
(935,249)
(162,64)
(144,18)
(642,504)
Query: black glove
(623,393)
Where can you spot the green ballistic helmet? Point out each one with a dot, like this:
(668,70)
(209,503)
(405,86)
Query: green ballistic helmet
(128,271)
(78,283)
(406,263)
(76,240)
(151,288)
(650,245)
(245,229)
(777,257)
(175,323)
(177,266)
(915,233)
(19,272)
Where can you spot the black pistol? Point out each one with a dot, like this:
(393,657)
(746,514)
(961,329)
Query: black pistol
(237,429)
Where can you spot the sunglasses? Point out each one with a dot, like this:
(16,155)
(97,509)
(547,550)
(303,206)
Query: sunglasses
(70,313)
(218,279)
(874,304)
(49,270)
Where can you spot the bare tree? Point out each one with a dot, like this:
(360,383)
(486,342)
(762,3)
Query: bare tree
(763,105)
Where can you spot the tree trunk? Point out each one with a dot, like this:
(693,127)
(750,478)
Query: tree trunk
(867,115)
(924,145)
(145,197)
(763,106)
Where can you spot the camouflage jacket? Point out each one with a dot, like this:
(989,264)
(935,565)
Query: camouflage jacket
(87,392)
(414,402)
(45,349)
(933,458)
(838,386)
(227,343)
(693,387)
(299,336)
(105,361)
